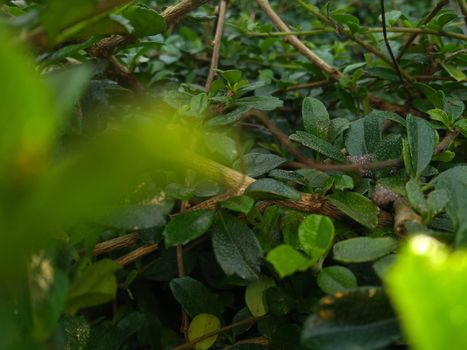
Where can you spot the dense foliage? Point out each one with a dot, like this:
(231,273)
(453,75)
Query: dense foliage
(185,174)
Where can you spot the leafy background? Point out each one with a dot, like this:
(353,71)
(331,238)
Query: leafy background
(295,192)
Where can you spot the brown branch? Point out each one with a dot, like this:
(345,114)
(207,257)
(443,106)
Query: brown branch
(216,44)
(295,42)
(173,14)
(123,76)
(308,202)
(440,4)
(115,244)
(245,322)
(446,141)
(403,213)
(136,254)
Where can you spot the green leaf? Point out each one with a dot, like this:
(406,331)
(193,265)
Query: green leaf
(68,85)
(270,188)
(427,286)
(363,249)
(453,107)
(373,133)
(315,234)
(263,103)
(316,118)
(194,297)
(144,20)
(454,72)
(257,164)
(421,138)
(231,76)
(254,295)
(345,320)
(357,206)
(319,145)
(242,204)
(415,196)
(383,265)
(286,260)
(203,324)
(236,248)
(186,227)
(228,118)
(96,285)
(332,279)
(440,115)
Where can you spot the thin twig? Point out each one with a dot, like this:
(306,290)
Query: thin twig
(136,254)
(386,41)
(340,31)
(463,6)
(216,44)
(247,321)
(294,41)
(440,4)
(408,30)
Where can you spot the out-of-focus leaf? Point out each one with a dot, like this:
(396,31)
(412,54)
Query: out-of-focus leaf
(144,20)
(96,285)
(427,287)
(346,319)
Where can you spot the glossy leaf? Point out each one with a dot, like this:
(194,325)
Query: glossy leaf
(236,248)
(427,286)
(332,279)
(203,324)
(194,297)
(254,295)
(315,234)
(421,138)
(270,188)
(186,227)
(357,206)
(315,118)
(319,145)
(363,249)
(286,260)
